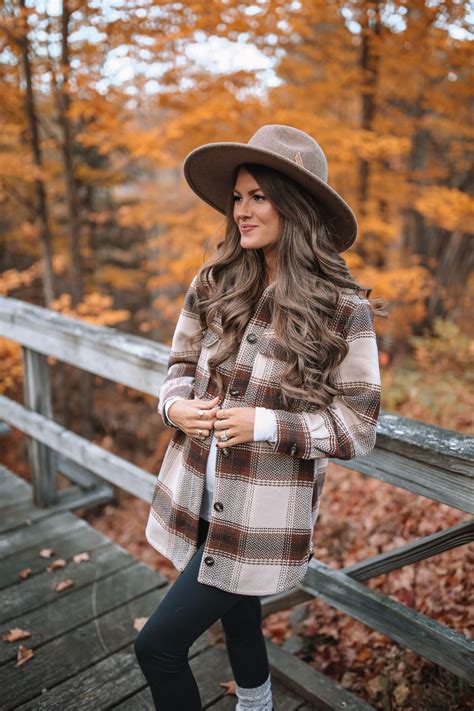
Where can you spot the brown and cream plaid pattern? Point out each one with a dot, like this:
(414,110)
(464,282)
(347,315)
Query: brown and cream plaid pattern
(266,496)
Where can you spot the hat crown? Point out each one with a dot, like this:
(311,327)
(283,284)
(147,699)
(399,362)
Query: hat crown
(293,145)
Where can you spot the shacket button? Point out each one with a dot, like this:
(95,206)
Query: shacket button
(209,560)
(293,448)
(225,451)
(219,506)
(252,338)
(234,391)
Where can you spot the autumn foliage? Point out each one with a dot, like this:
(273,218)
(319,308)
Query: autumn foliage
(99,104)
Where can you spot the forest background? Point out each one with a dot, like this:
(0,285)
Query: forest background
(100,102)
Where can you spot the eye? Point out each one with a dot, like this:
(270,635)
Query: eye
(259,197)
(235,197)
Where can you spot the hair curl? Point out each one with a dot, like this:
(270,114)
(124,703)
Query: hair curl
(310,274)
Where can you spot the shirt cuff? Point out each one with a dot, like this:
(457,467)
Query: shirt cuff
(265,427)
(167,406)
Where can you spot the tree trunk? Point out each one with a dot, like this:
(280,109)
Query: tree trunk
(369,65)
(41,196)
(68,157)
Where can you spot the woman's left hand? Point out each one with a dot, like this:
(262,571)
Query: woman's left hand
(238,423)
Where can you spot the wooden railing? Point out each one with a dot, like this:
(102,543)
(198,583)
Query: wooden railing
(419,457)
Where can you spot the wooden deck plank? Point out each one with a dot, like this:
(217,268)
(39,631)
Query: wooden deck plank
(78,540)
(95,688)
(82,638)
(37,531)
(319,690)
(211,658)
(82,605)
(109,683)
(25,512)
(72,653)
(13,489)
(37,591)
(4,471)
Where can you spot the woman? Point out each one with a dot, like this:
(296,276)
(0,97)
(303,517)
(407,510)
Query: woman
(273,370)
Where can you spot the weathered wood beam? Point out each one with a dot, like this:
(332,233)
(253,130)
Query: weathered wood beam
(36,395)
(123,358)
(78,474)
(447,487)
(322,692)
(406,626)
(107,465)
(412,552)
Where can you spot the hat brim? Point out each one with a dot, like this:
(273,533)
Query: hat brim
(209,171)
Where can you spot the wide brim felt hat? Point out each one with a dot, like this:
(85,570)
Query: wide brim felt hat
(210,171)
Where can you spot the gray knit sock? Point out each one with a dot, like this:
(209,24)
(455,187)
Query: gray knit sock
(259,698)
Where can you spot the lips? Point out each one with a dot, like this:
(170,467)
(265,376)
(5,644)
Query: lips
(247,228)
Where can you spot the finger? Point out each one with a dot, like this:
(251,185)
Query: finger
(221,424)
(228,412)
(199,432)
(208,416)
(228,442)
(206,403)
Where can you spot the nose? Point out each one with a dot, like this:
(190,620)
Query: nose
(242,209)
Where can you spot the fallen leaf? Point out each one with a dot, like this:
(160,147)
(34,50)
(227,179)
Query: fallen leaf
(64,585)
(14,634)
(79,557)
(46,552)
(229,686)
(24,653)
(374,685)
(400,693)
(25,573)
(58,563)
(139,622)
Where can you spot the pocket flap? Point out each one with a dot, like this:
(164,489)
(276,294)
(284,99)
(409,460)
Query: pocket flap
(210,338)
(270,347)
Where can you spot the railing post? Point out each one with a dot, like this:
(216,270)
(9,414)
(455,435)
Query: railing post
(42,459)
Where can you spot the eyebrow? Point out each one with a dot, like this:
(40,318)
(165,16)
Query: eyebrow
(251,192)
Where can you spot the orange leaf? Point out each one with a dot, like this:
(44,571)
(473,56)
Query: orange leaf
(79,557)
(14,634)
(229,686)
(58,563)
(139,622)
(24,653)
(46,552)
(64,585)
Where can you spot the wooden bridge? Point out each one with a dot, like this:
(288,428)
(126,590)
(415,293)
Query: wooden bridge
(82,637)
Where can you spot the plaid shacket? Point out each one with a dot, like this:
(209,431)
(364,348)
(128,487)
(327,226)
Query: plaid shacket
(266,496)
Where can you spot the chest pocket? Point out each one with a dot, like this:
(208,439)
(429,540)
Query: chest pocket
(269,347)
(209,346)
(271,364)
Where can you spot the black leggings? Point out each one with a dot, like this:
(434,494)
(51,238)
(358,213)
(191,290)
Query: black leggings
(187,610)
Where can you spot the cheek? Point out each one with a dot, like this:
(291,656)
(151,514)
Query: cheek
(274,222)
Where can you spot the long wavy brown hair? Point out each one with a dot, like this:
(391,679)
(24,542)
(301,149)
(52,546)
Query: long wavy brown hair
(310,274)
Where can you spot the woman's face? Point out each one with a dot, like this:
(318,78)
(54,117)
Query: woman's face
(257,219)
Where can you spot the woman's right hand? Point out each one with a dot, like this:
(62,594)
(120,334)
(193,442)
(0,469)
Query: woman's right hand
(185,413)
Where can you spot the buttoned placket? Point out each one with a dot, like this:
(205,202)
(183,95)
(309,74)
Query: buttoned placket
(250,336)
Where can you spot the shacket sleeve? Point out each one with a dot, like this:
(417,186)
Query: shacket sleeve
(183,358)
(346,428)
